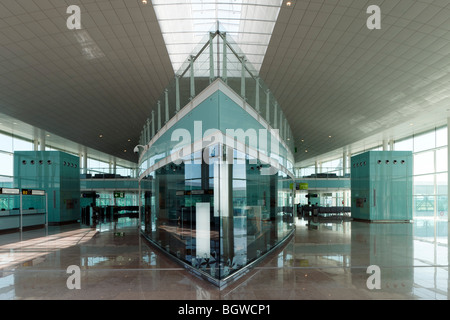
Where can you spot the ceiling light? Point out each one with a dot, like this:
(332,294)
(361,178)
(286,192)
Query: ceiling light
(100,136)
(329,136)
(289,3)
(144,1)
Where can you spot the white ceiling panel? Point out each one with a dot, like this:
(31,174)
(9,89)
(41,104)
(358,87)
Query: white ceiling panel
(335,77)
(102,79)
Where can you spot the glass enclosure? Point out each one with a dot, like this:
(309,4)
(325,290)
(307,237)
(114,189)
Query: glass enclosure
(217,216)
(216,166)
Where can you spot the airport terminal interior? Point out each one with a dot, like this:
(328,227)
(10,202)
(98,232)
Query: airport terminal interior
(224,150)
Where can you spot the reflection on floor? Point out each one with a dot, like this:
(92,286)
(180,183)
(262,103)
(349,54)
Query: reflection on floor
(327,262)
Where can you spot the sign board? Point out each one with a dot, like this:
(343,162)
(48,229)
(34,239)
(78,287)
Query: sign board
(119,194)
(303,186)
(30,192)
(26,192)
(9,191)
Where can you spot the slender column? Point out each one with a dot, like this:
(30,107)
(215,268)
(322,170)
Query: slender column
(280,127)
(177,93)
(36,139)
(211,57)
(257,95)
(268,106)
(148,132)
(385,145)
(275,116)
(42,140)
(159,115)
(285,128)
(166,104)
(85,160)
(243,77)
(344,163)
(224,71)
(192,77)
(153,124)
(391,145)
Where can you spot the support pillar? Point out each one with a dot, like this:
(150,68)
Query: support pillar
(385,145)
(42,140)
(177,93)
(166,104)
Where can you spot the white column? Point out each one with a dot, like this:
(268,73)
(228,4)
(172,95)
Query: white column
(391,144)
(36,139)
(42,140)
(385,145)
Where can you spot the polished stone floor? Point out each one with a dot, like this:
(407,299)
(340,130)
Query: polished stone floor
(330,262)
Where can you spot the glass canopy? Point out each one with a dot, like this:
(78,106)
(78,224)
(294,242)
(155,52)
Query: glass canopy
(184,24)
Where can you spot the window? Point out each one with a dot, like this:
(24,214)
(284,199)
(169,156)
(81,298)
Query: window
(441,160)
(441,137)
(6,143)
(425,141)
(423,162)
(6,164)
(22,145)
(404,145)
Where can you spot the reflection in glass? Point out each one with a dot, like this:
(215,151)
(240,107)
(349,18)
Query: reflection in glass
(216,216)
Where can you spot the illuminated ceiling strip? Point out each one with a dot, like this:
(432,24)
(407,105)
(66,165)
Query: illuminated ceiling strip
(184,24)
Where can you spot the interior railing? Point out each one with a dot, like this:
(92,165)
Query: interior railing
(217,57)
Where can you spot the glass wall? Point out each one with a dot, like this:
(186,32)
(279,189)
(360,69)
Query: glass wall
(430,203)
(8,144)
(217,216)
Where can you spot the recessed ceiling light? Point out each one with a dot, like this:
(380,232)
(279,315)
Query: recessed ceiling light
(289,3)
(129,140)
(100,136)
(144,1)
(306,150)
(329,136)
(125,150)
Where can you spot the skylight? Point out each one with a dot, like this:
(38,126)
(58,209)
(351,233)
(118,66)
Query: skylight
(187,23)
